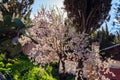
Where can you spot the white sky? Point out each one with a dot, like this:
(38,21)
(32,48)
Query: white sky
(46,3)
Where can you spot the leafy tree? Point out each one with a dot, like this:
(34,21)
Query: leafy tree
(19,8)
(14,20)
(103,36)
(14,17)
(117,38)
(87,15)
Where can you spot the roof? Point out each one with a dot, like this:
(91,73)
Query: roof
(111,47)
(113,51)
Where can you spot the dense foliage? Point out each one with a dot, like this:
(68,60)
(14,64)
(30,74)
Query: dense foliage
(57,43)
(19,8)
(13,23)
(87,15)
(47,30)
(21,68)
(104,37)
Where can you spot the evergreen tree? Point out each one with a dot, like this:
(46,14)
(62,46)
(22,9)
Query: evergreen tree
(87,15)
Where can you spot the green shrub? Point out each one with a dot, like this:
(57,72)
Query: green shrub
(2,64)
(21,68)
(52,70)
(37,74)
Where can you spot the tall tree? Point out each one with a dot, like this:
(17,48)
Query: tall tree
(87,15)
(103,36)
(15,16)
(19,8)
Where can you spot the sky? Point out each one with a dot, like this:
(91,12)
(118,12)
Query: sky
(59,3)
(112,12)
(47,4)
